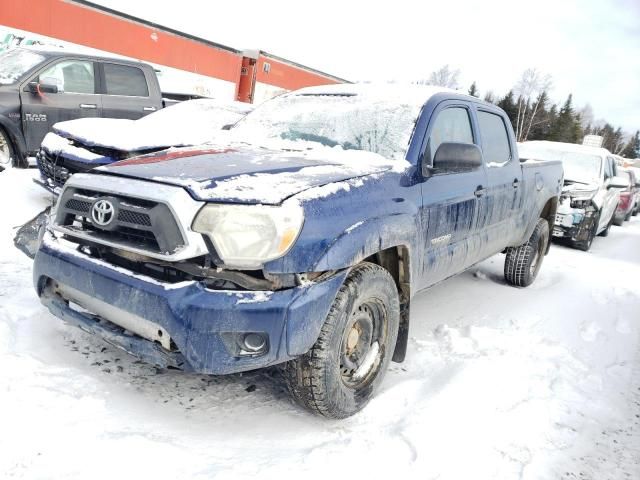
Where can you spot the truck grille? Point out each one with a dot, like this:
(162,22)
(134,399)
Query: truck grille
(124,221)
(54,168)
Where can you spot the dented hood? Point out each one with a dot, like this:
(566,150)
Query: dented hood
(245,174)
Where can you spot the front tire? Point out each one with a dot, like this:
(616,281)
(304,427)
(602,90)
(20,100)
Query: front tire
(340,373)
(7,152)
(522,264)
(606,231)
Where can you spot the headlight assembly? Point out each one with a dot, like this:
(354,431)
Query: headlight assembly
(247,236)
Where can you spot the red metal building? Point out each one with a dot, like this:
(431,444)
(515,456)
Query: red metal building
(85,23)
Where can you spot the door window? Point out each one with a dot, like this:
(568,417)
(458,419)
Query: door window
(71,76)
(125,80)
(451,125)
(495,139)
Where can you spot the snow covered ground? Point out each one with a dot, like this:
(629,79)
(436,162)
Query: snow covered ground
(500,383)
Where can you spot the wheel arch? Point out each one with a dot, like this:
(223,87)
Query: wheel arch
(15,136)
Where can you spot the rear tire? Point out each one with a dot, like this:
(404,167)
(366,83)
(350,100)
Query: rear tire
(618,222)
(522,264)
(340,373)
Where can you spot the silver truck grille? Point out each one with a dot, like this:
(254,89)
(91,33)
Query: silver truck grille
(128,222)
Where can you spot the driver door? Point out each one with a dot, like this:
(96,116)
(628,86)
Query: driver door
(453,206)
(75,80)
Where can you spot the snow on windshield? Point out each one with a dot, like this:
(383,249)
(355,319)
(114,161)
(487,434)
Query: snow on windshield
(16,63)
(578,167)
(349,121)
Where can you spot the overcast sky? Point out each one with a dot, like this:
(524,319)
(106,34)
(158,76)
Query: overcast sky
(591,48)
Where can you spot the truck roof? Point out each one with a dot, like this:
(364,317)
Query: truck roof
(392,93)
(49,51)
(566,147)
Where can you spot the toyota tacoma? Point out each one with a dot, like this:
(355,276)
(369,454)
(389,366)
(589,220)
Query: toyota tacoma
(301,240)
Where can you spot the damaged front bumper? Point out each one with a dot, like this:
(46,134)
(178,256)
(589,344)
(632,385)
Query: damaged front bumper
(183,325)
(575,224)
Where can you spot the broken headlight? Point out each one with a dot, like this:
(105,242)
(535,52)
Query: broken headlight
(247,236)
(582,199)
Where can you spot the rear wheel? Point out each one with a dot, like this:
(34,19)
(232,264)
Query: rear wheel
(340,373)
(522,264)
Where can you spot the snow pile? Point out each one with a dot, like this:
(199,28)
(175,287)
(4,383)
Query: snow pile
(187,123)
(499,383)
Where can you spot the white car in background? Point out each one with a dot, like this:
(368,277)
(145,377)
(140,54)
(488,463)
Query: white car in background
(83,144)
(590,193)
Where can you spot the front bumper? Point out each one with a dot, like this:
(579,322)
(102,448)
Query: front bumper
(199,321)
(573,224)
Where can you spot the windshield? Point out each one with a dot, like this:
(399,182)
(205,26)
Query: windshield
(578,167)
(352,122)
(15,63)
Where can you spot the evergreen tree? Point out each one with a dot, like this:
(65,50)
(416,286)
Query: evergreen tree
(473,90)
(632,150)
(509,106)
(566,127)
(489,97)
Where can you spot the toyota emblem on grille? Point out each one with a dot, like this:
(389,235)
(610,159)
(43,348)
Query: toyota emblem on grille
(102,212)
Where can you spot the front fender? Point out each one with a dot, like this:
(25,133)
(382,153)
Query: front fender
(367,238)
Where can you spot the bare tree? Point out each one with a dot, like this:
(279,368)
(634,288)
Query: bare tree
(444,77)
(531,90)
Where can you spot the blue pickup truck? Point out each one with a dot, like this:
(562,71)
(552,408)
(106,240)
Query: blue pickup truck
(301,239)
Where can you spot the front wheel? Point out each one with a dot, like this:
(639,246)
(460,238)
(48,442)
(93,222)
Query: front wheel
(522,263)
(340,373)
(6,149)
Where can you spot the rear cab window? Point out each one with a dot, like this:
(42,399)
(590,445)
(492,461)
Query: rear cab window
(452,124)
(125,80)
(496,148)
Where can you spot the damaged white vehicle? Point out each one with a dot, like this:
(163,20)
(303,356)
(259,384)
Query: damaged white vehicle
(590,193)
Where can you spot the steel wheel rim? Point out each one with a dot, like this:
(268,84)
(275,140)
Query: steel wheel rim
(362,345)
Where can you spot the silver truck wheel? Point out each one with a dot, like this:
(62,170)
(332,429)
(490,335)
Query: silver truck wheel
(340,373)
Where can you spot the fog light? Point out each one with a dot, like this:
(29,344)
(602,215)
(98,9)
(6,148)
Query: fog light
(253,342)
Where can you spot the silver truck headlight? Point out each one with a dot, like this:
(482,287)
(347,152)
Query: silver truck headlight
(247,236)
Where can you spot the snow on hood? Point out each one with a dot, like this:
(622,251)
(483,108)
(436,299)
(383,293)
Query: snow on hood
(248,174)
(188,123)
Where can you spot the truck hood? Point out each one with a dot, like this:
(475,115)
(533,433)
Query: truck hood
(247,174)
(579,189)
(131,135)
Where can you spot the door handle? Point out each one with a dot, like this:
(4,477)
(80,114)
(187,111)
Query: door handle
(149,109)
(516,183)
(480,191)
(88,105)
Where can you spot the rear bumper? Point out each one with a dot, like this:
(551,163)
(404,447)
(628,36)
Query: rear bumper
(200,321)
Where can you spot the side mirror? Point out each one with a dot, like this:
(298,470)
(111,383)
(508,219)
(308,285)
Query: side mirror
(618,182)
(34,87)
(455,158)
